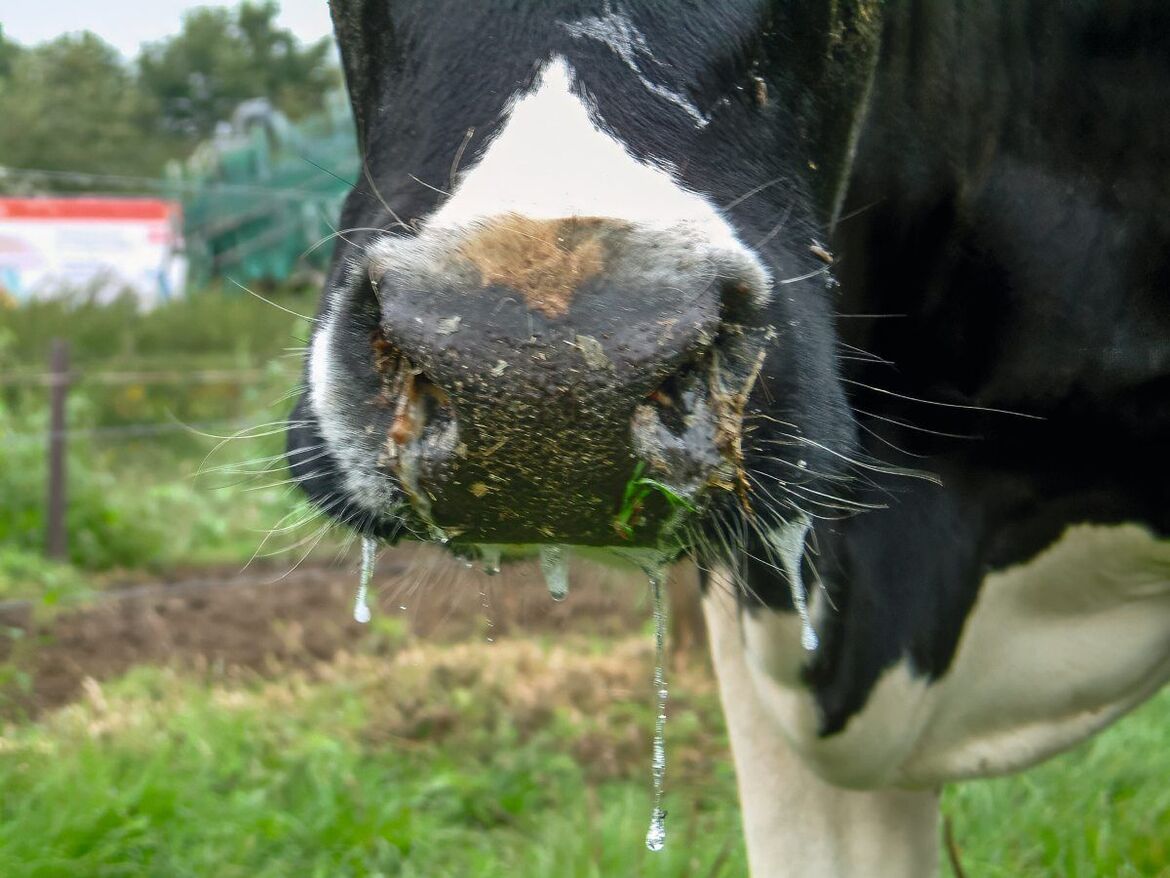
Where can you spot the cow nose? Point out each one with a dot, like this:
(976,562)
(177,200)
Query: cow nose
(536,367)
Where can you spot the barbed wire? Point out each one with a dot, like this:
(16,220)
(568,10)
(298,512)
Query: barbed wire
(81,376)
(157,184)
(172,589)
(127,431)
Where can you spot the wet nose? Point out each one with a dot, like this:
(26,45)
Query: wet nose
(535,365)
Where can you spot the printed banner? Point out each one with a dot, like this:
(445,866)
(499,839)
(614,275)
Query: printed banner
(99,248)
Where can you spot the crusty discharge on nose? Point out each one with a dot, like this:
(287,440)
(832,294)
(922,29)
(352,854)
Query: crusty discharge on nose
(545,261)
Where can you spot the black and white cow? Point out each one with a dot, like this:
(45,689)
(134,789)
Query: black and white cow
(584,297)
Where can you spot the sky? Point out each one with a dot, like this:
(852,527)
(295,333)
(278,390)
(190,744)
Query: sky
(127,24)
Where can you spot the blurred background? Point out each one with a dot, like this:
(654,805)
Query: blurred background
(182,688)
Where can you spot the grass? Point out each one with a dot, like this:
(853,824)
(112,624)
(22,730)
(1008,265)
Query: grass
(637,489)
(488,761)
(1101,810)
(521,758)
(208,327)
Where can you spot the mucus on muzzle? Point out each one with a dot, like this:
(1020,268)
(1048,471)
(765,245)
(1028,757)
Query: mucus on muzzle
(575,380)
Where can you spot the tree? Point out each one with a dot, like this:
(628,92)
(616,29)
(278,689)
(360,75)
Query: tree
(222,57)
(8,53)
(73,105)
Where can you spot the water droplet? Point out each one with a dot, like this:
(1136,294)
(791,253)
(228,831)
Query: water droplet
(556,571)
(361,609)
(789,543)
(656,834)
(491,559)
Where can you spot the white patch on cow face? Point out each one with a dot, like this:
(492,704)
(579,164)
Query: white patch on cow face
(552,160)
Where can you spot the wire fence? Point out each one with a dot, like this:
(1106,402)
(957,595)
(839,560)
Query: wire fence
(198,376)
(60,379)
(74,378)
(127,431)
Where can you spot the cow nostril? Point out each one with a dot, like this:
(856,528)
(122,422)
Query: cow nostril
(673,399)
(738,303)
(436,404)
(418,402)
(420,406)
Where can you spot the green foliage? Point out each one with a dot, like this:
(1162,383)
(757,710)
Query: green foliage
(222,57)
(637,489)
(160,776)
(110,524)
(138,500)
(25,574)
(216,323)
(8,53)
(73,105)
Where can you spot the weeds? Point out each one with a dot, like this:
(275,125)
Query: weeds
(637,489)
(134,499)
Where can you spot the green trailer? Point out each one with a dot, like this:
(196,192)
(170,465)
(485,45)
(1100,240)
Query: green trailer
(261,196)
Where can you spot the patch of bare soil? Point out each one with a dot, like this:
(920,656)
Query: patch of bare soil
(267,625)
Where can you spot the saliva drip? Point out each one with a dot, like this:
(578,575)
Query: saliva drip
(789,542)
(361,609)
(656,834)
(485,603)
(490,556)
(555,568)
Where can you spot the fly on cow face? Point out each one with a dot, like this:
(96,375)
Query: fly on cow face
(594,263)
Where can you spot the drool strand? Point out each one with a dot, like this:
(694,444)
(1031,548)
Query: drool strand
(361,608)
(656,834)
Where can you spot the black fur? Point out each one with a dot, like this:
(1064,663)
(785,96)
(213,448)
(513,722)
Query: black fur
(1009,209)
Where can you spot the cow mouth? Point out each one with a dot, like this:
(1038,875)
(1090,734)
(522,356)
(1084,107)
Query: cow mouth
(587,466)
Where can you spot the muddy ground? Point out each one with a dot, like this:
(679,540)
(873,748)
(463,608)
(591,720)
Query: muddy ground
(269,620)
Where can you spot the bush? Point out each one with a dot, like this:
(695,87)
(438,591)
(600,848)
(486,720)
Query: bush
(110,524)
(26,574)
(132,494)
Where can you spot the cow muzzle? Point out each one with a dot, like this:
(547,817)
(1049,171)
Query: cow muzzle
(575,381)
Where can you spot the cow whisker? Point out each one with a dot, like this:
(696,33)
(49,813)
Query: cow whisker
(276,305)
(948,405)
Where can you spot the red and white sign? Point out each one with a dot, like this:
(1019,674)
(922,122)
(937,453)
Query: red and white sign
(97,247)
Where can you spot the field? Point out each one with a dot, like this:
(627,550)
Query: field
(165,713)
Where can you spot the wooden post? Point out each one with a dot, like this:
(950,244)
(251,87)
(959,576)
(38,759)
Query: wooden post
(56,544)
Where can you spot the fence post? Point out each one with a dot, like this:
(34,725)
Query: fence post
(55,536)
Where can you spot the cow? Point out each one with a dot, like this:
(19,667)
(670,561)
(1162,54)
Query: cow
(864,306)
